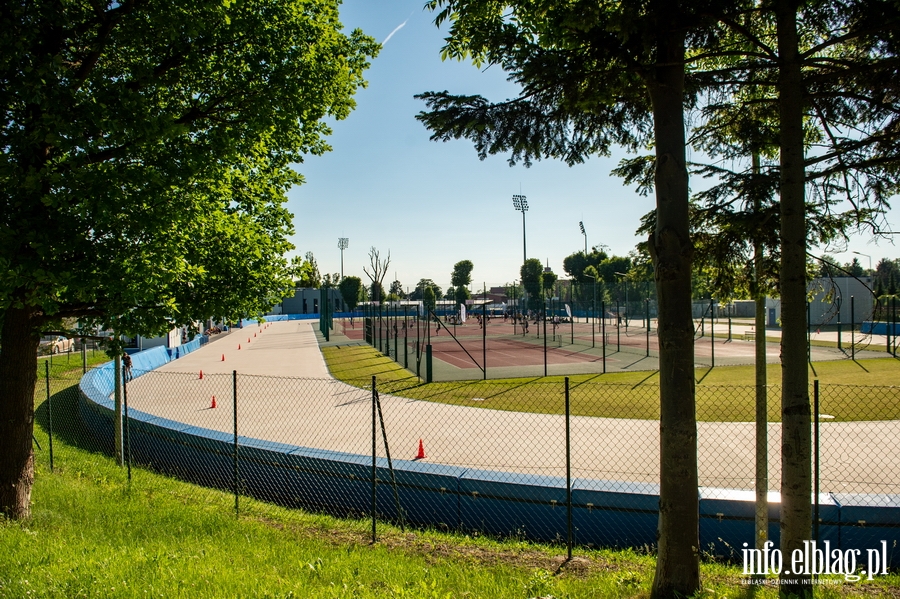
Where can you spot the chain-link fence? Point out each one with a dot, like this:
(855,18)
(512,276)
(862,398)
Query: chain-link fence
(532,459)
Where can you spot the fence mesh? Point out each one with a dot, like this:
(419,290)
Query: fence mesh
(492,456)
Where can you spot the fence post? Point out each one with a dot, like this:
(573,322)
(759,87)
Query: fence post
(429,374)
(544,318)
(374,465)
(484,335)
(117,432)
(618,328)
(647,304)
(852,328)
(49,409)
(816,458)
(568,475)
(234,471)
(893,320)
(712,332)
(603,332)
(405,338)
(127,431)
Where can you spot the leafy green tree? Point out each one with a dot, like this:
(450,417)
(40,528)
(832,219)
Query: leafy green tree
(350,288)
(885,269)
(143,170)
(397,290)
(823,68)
(451,293)
(854,268)
(307,272)
(461,295)
(418,292)
(575,264)
(376,292)
(460,278)
(592,75)
(531,273)
(428,297)
(548,280)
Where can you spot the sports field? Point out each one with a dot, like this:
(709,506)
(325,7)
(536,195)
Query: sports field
(286,395)
(461,351)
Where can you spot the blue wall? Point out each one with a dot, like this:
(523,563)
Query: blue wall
(605,513)
(879,328)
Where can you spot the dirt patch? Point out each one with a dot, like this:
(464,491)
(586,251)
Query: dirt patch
(435,550)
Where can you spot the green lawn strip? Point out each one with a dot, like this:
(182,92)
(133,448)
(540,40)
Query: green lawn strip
(845,341)
(850,390)
(95,534)
(69,364)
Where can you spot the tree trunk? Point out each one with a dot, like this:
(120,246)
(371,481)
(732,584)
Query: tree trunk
(795,410)
(678,564)
(18,375)
(762,395)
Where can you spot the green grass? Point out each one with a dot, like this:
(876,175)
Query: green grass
(95,534)
(63,365)
(850,390)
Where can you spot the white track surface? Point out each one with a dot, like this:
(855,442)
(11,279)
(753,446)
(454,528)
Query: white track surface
(286,394)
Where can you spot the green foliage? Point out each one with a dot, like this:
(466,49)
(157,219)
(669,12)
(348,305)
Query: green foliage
(530,273)
(428,297)
(397,290)
(350,288)
(376,292)
(461,294)
(575,264)
(147,151)
(307,272)
(548,280)
(462,273)
(423,284)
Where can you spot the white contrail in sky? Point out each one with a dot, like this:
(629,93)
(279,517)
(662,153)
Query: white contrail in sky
(396,29)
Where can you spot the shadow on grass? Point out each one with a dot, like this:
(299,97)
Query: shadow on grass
(67,425)
(705,374)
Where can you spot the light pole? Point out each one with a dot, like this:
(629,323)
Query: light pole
(583,232)
(867,256)
(343,244)
(521,204)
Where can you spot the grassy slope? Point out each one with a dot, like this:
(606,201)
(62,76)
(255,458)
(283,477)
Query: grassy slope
(724,393)
(94,534)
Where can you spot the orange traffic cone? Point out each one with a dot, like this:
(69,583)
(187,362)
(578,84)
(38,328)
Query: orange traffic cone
(254,334)
(223,357)
(239,346)
(213,404)
(248,339)
(201,374)
(421,453)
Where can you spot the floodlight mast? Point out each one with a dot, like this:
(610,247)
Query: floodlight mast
(583,232)
(343,244)
(521,204)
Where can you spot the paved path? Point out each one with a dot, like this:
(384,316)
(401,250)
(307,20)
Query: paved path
(275,404)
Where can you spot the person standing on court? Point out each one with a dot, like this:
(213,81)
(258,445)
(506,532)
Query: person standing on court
(126,366)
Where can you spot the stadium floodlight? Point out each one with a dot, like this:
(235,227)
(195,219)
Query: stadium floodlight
(521,204)
(583,232)
(343,244)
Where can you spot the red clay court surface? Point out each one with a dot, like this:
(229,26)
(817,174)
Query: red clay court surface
(506,349)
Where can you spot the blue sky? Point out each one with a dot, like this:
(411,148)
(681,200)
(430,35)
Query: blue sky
(432,204)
